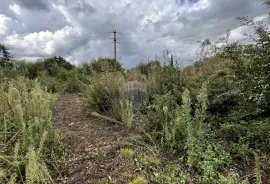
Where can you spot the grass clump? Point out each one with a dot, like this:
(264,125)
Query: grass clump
(127,153)
(139,180)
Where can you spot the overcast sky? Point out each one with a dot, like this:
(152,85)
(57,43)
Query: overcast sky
(79,29)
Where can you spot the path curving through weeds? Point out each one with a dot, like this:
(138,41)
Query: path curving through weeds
(93,145)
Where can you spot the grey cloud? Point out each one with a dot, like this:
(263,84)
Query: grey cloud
(160,25)
(3,7)
(181,19)
(80,6)
(34,4)
(127,7)
(216,19)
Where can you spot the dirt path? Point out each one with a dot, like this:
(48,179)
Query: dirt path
(93,145)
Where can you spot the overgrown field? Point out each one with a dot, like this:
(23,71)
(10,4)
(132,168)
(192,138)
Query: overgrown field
(205,123)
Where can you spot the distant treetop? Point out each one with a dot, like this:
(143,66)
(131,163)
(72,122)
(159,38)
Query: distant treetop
(5,56)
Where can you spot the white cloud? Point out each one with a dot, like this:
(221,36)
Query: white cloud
(237,34)
(202,4)
(7,25)
(16,9)
(261,17)
(44,43)
(3,22)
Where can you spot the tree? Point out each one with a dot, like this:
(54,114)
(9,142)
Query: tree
(106,65)
(5,56)
(59,61)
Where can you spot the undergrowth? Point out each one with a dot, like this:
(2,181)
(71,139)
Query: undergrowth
(31,149)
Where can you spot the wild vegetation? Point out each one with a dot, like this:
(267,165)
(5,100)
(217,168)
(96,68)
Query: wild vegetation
(31,147)
(206,123)
(212,117)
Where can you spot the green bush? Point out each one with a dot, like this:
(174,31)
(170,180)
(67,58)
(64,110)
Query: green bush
(73,82)
(48,83)
(106,65)
(105,93)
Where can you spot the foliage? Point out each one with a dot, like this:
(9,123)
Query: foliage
(73,82)
(106,65)
(58,61)
(257,169)
(26,122)
(160,115)
(85,69)
(196,131)
(232,178)
(149,67)
(126,112)
(214,116)
(165,79)
(5,56)
(219,125)
(172,174)
(54,74)
(104,94)
(214,158)
(52,66)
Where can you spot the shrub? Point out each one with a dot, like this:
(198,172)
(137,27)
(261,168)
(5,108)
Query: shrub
(160,114)
(213,160)
(104,94)
(165,79)
(106,65)
(48,83)
(71,82)
(196,130)
(172,174)
(232,178)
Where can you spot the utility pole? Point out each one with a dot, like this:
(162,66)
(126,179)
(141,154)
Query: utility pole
(114,40)
(171,59)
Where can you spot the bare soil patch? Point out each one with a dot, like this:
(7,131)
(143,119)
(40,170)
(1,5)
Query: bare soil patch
(93,145)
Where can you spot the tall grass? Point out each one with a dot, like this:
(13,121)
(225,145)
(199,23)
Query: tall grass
(26,122)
